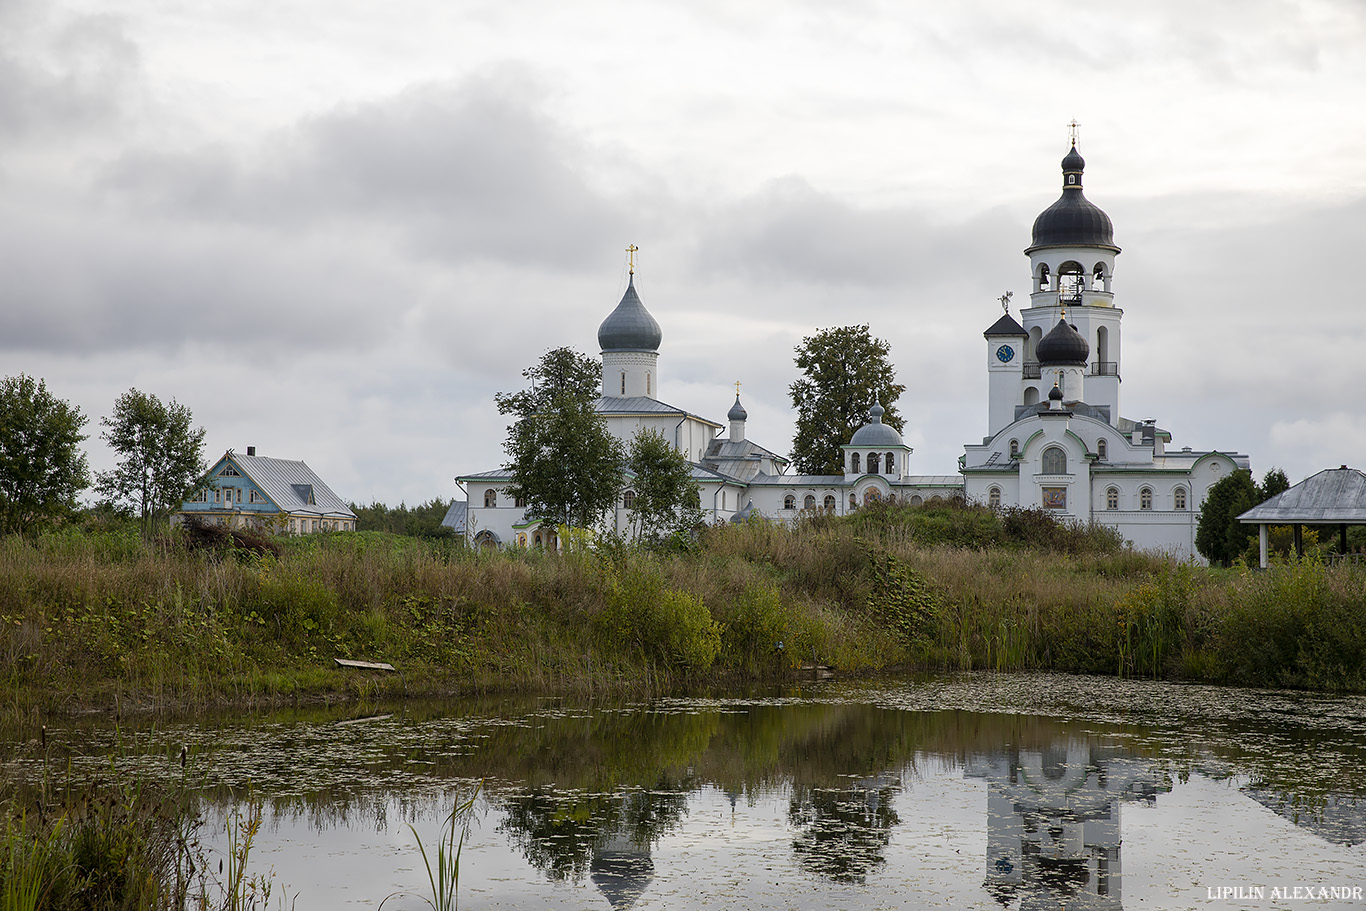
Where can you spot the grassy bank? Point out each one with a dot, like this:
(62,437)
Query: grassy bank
(102,619)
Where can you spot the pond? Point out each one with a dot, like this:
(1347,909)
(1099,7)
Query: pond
(970,791)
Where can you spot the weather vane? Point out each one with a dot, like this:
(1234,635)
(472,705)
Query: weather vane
(631,252)
(1072,131)
(1005,301)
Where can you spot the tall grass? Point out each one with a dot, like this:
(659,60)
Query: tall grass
(107,619)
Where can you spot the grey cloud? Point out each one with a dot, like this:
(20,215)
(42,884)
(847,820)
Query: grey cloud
(458,172)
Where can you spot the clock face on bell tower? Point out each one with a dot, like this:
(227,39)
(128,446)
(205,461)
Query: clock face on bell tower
(1004,354)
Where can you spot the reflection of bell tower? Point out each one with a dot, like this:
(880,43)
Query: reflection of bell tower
(1053,831)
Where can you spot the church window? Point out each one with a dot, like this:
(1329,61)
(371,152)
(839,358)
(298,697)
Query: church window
(1043,276)
(1071,180)
(1145,498)
(916,500)
(809,502)
(1098,280)
(890,462)
(994,498)
(1102,450)
(623,382)
(490,499)
(628,499)
(519,502)
(1179,498)
(853,501)
(723,499)
(854,463)
(830,502)
(647,385)
(790,501)
(1014,449)
(1054,461)
(872,463)
(1071,281)
(1112,498)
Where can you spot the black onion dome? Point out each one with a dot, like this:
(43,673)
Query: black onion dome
(630,327)
(737,411)
(1073,221)
(1063,346)
(1055,394)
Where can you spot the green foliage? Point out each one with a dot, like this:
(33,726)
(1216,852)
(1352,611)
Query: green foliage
(565,466)
(903,602)
(666,499)
(42,469)
(1219,536)
(757,629)
(843,370)
(423,521)
(667,626)
(444,878)
(161,459)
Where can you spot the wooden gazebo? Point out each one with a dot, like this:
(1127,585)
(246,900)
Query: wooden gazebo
(1334,496)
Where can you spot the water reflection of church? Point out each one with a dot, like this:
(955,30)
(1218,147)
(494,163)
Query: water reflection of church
(1053,832)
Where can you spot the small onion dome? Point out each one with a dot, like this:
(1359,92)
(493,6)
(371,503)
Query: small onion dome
(1055,394)
(630,327)
(737,411)
(1073,221)
(1063,346)
(876,433)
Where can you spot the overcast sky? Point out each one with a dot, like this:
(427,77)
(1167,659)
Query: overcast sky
(335,229)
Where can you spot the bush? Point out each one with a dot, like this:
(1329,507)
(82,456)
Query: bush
(668,627)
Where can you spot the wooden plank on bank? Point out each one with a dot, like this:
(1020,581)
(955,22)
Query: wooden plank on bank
(363,665)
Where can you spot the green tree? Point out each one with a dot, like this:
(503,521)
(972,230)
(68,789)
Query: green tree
(42,468)
(1219,536)
(844,370)
(161,456)
(1273,483)
(422,521)
(666,500)
(565,466)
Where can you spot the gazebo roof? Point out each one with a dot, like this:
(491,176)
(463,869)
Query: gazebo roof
(1334,496)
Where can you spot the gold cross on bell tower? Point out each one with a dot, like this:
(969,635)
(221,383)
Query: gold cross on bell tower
(631,252)
(1072,131)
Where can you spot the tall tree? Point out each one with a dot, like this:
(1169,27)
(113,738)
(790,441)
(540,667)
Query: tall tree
(1219,536)
(161,456)
(665,496)
(565,466)
(844,370)
(42,467)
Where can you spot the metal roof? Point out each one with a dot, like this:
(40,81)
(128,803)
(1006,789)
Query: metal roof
(630,327)
(455,516)
(288,483)
(1334,496)
(1006,327)
(642,404)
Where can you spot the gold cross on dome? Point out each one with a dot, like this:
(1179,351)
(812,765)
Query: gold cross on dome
(631,252)
(1072,131)
(737,389)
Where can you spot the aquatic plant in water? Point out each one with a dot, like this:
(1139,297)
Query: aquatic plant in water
(444,878)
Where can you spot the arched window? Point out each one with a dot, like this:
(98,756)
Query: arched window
(623,382)
(790,501)
(994,498)
(1112,498)
(1071,281)
(830,502)
(647,385)
(1145,498)
(854,463)
(490,498)
(872,463)
(1179,498)
(628,499)
(809,502)
(1031,395)
(853,501)
(1014,449)
(916,500)
(890,461)
(1102,450)
(1054,460)
(1098,282)
(1043,277)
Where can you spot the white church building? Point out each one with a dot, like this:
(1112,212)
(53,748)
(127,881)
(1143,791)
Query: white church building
(1055,438)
